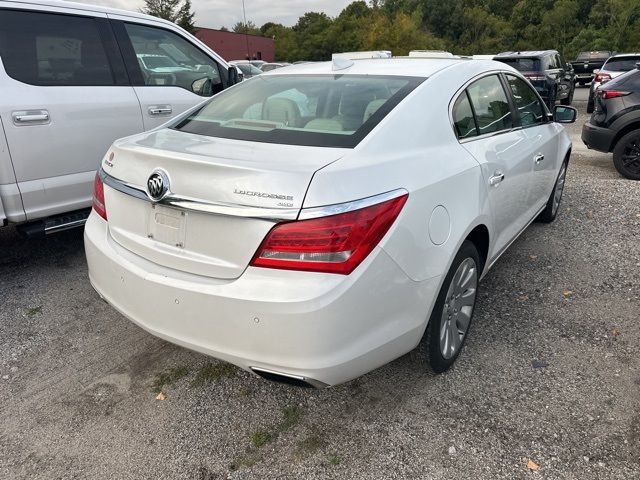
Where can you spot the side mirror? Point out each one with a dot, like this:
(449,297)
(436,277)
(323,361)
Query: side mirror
(562,114)
(233,75)
(202,87)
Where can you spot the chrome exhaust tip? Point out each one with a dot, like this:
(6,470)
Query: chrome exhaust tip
(289,379)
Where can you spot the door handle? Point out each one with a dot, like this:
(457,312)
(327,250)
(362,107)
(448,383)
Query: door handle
(497,177)
(160,110)
(30,117)
(538,158)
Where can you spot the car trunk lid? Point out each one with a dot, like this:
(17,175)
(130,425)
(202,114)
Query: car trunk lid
(224,196)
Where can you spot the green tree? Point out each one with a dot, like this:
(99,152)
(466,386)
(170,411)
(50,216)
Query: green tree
(173,11)
(249,28)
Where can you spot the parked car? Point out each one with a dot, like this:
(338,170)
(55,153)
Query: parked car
(612,68)
(586,62)
(551,76)
(615,123)
(247,69)
(256,240)
(74,78)
(267,67)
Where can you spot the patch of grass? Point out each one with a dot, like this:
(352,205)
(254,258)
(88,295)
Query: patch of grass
(33,311)
(261,438)
(292,416)
(169,377)
(334,460)
(213,371)
(309,446)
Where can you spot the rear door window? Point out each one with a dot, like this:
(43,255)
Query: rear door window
(53,50)
(490,105)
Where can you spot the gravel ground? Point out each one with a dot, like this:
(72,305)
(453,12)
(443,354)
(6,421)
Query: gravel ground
(550,373)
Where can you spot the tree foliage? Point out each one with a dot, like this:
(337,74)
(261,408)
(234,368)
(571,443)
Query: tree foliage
(173,11)
(460,26)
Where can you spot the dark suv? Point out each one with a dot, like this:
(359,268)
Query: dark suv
(615,123)
(552,77)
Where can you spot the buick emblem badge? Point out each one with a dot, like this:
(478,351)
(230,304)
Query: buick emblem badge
(157,185)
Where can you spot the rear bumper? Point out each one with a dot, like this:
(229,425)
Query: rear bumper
(597,138)
(327,328)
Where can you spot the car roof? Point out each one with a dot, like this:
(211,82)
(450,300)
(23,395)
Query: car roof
(527,53)
(408,67)
(87,7)
(623,55)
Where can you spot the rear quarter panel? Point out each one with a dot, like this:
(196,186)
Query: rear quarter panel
(415,148)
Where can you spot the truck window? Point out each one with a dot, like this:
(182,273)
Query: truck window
(168,60)
(53,50)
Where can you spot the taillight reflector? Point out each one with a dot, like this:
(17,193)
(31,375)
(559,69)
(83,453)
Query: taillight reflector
(607,94)
(333,244)
(98,197)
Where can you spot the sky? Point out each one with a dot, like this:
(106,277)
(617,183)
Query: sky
(217,13)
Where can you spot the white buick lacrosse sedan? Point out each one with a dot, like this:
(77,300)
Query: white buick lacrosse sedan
(322,220)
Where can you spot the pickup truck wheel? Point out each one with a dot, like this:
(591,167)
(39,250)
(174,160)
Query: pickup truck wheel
(550,212)
(626,155)
(569,99)
(453,310)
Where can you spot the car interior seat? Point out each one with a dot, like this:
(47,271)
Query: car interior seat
(282,110)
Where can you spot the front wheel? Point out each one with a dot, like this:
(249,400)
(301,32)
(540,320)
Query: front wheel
(550,212)
(626,155)
(453,310)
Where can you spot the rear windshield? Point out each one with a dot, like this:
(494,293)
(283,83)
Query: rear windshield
(593,56)
(522,64)
(313,110)
(621,64)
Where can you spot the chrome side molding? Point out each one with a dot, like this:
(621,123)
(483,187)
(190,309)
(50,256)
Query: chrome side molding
(325,211)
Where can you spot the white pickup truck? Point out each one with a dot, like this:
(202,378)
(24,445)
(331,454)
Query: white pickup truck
(73,78)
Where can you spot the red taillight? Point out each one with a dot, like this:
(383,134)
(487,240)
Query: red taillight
(98,197)
(607,94)
(602,77)
(334,244)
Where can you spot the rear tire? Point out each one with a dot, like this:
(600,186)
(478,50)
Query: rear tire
(550,212)
(626,155)
(453,311)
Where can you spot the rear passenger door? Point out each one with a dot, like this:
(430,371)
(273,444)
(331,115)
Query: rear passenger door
(170,74)
(65,98)
(542,141)
(484,122)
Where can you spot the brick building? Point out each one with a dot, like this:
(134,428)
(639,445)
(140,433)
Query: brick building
(238,46)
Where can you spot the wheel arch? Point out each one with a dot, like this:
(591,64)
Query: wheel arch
(630,127)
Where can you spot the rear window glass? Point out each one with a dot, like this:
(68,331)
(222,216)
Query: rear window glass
(593,56)
(621,64)
(313,110)
(522,64)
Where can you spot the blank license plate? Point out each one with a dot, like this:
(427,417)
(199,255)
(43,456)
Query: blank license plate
(167,225)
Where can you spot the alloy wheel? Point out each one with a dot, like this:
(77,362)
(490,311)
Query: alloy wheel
(631,157)
(458,308)
(557,193)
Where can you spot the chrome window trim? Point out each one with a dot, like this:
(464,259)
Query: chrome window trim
(463,89)
(338,208)
(201,206)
